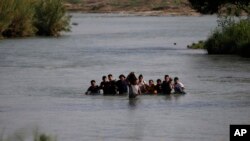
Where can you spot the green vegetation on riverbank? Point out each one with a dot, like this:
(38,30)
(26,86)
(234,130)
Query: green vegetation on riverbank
(21,18)
(199,45)
(230,37)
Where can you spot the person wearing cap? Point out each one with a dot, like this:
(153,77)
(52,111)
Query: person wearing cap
(93,89)
(122,85)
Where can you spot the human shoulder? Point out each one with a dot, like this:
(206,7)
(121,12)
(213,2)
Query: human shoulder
(181,84)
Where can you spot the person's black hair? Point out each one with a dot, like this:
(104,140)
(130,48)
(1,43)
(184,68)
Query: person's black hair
(92,81)
(158,80)
(104,77)
(121,76)
(151,80)
(110,75)
(166,76)
(132,78)
(176,78)
(140,76)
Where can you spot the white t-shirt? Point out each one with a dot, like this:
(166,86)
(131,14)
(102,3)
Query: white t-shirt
(134,89)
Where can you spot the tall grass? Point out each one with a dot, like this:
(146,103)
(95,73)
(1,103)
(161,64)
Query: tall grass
(6,14)
(19,18)
(50,17)
(230,37)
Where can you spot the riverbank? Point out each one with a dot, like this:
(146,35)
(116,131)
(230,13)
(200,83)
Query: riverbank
(138,7)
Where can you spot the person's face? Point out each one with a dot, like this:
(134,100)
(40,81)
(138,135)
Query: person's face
(110,78)
(104,79)
(92,83)
(122,78)
(140,79)
(167,78)
(158,82)
(137,81)
(151,82)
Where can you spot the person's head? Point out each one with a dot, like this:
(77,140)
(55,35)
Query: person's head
(110,77)
(140,77)
(166,77)
(150,82)
(122,77)
(104,78)
(92,82)
(158,81)
(170,80)
(176,80)
(132,79)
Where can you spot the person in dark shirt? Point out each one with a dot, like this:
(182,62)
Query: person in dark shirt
(122,85)
(104,85)
(158,86)
(111,85)
(167,85)
(93,89)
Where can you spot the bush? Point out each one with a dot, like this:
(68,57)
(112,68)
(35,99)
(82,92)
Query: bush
(6,15)
(19,18)
(199,45)
(50,17)
(230,38)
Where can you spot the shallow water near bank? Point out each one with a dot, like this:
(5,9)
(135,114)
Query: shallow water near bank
(43,80)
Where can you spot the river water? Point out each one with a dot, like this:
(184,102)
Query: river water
(43,80)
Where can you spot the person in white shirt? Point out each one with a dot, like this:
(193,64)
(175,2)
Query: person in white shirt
(178,86)
(134,89)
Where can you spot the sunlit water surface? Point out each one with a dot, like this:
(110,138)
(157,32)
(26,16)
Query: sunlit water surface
(43,80)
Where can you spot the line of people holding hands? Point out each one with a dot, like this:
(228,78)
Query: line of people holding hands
(133,86)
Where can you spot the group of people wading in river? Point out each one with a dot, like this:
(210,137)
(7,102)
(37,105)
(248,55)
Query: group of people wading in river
(134,86)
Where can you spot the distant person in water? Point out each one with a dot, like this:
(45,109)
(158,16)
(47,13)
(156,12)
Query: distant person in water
(151,89)
(158,86)
(122,85)
(178,86)
(93,89)
(104,85)
(134,89)
(112,89)
(167,85)
(142,84)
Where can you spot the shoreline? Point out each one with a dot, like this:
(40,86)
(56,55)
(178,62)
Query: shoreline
(144,9)
(138,13)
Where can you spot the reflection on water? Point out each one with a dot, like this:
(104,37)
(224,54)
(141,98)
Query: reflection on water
(132,103)
(43,80)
